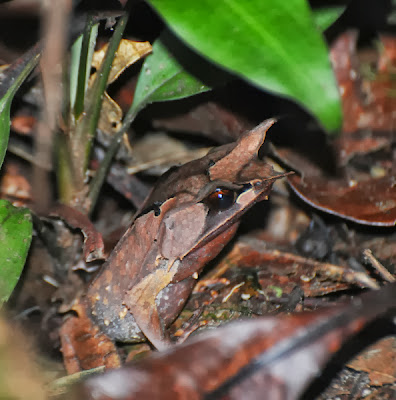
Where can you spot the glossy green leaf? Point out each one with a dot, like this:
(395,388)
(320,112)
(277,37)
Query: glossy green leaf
(15,238)
(10,80)
(324,17)
(162,78)
(273,44)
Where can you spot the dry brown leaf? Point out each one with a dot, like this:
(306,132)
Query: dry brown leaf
(110,116)
(158,152)
(379,361)
(14,186)
(128,53)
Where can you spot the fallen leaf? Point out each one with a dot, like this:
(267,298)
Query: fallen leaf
(379,360)
(15,186)
(369,202)
(368,101)
(276,356)
(93,241)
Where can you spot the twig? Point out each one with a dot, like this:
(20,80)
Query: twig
(378,266)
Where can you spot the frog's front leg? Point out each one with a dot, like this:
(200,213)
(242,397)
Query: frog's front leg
(84,345)
(141,302)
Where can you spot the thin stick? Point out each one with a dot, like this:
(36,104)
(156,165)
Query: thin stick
(378,266)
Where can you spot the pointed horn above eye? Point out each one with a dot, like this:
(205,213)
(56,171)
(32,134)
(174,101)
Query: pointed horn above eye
(251,141)
(245,150)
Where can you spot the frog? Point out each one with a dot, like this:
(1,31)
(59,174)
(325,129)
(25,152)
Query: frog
(188,218)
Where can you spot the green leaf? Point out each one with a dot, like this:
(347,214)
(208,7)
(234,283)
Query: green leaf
(10,80)
(75,53)
(273,44)
(5,107)
(15,238)
(162,78)
(324,17)
(80,65)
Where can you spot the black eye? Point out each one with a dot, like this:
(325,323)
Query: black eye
(221,199)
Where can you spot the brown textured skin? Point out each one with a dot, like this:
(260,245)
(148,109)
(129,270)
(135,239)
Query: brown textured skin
(147,279)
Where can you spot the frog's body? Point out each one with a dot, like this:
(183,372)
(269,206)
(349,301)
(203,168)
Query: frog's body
(147,279)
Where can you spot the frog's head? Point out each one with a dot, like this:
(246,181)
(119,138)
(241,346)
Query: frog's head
(210,195)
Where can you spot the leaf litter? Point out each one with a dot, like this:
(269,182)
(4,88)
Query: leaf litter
(300,294)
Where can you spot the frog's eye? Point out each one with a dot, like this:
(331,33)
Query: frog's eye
(221,199)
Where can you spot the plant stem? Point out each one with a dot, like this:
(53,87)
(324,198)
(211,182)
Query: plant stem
(86,128)
(100,176)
